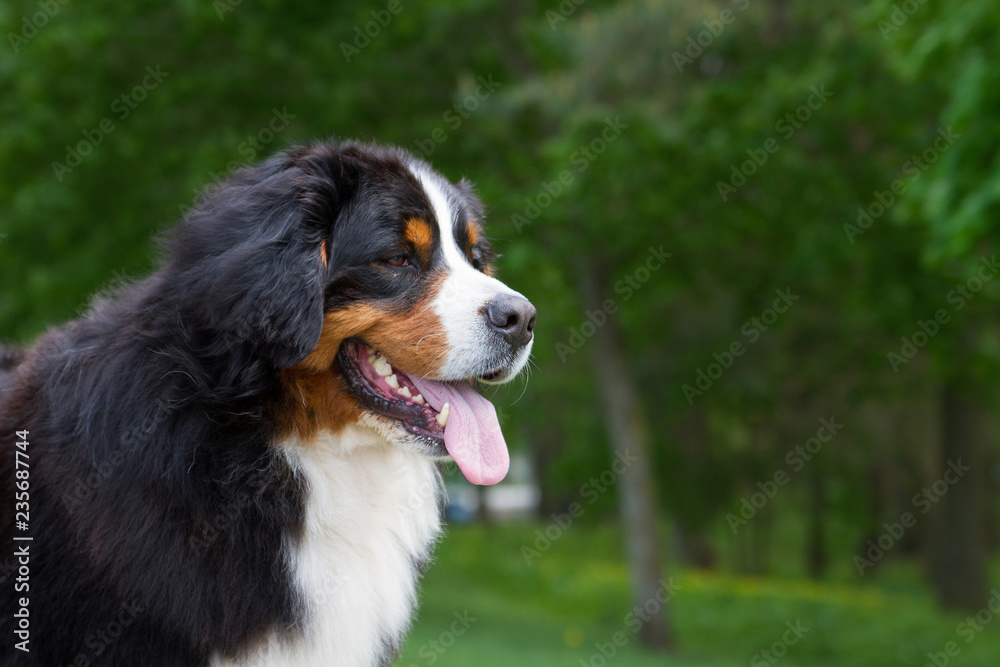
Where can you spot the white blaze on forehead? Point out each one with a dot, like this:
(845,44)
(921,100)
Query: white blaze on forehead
(464,293)
(454,256)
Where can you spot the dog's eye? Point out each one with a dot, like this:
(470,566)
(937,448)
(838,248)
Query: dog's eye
(397,260)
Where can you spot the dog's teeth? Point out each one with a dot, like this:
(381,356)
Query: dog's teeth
(392,381)
(382,366)
(442,417)
(404,391)
(418,398)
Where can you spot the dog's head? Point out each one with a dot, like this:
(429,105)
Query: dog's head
(364,277)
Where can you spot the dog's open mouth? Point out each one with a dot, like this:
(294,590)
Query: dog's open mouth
(451,415)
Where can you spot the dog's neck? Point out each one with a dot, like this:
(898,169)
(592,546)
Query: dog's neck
(372,514)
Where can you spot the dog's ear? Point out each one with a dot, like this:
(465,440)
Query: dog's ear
(253,257)
(269,293)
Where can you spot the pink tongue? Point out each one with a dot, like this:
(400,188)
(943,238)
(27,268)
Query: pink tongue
(472,435)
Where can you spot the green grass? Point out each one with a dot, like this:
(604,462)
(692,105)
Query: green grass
(573,597)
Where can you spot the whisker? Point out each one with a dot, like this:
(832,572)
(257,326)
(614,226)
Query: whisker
(526,373)
(437,333)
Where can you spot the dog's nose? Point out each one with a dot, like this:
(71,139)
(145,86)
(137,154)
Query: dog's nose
(513,318)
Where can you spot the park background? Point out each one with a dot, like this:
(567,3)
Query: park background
(760,235)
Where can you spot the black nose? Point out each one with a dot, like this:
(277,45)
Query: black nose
(513,317)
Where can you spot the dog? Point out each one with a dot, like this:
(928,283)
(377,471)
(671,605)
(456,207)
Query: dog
(234,461)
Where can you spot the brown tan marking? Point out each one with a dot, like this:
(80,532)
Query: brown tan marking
(418,232)
(313,402)
(472,230)
(322,251)
(315,396)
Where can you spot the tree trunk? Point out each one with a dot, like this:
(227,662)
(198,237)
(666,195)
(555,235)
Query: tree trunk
(816,554)
(544,451)
(627,435)
(957,554)
(879,502)
(989,482)
(760,541)
(693,520)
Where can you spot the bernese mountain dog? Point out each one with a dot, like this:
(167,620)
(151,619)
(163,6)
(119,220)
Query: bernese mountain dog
(234,461)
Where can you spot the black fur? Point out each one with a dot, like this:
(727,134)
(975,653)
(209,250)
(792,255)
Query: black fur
(9,358)
(158,507)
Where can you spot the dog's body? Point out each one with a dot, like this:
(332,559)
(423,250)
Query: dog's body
(232,462)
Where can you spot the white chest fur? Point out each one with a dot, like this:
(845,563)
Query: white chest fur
(372,512)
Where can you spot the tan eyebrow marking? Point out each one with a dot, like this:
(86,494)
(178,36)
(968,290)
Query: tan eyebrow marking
(472,232)
(418,232)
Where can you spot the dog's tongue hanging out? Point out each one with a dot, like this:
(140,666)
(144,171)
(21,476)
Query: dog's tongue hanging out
(472,434)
